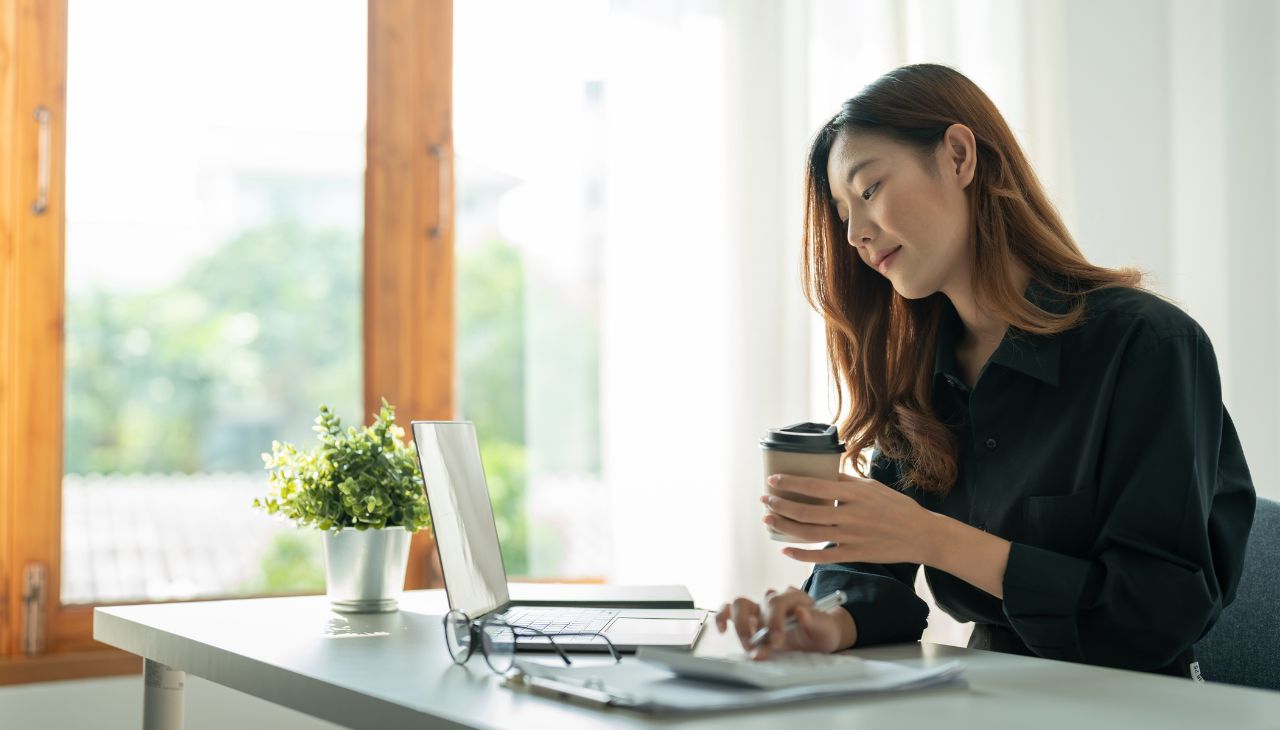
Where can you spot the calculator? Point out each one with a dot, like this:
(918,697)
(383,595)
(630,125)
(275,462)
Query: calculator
(781,670)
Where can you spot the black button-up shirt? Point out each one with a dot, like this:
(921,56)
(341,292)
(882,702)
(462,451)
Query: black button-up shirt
(1105,455)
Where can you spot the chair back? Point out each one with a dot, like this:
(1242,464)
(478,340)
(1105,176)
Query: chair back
(1244,646)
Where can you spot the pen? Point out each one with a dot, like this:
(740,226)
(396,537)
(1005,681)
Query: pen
(826,603)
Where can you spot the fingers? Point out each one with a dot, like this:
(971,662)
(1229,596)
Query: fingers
(776,610)
(812,631)
(748,617)
(804,617)
(808,486)
(805,532)
(804,620)
(745,615)
(823,555)
(817,631)
(812,514)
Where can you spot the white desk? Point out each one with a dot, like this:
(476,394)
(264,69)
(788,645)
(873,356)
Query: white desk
(392,670)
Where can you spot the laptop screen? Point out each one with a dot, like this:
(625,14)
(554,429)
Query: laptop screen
(461,516)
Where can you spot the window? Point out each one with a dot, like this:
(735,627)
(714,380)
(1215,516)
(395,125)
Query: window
(190,172)
(530,233)
(213,277)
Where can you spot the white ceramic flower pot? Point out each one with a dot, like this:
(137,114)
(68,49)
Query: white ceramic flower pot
(364,569)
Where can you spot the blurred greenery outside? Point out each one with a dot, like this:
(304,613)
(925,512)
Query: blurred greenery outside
(200,375)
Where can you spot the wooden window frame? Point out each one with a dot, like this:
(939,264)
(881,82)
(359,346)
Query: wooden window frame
(408,295)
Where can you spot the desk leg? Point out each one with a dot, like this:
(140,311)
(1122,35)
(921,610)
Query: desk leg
(162,696)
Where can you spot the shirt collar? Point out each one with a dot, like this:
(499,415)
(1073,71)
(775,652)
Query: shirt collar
(949,330)
(1038,356)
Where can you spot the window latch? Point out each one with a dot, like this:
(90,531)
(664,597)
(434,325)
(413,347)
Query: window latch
(44,120)
(34,580)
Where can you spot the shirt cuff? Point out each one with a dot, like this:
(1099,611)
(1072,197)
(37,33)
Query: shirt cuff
(884,610)
(1042,591)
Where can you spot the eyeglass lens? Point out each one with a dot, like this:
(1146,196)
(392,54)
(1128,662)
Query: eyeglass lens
(499,646)
(457,636)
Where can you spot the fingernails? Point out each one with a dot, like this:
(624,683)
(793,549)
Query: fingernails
(773,480)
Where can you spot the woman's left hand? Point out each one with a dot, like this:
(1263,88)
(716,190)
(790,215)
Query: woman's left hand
(867,521)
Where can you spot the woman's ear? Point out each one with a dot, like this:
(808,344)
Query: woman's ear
(960,154)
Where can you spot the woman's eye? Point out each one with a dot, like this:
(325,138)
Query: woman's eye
(866,194)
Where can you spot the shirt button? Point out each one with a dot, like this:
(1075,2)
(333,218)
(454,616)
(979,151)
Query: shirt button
(991,444)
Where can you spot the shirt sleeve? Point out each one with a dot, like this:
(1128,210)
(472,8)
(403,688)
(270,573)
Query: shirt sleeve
(1172,516)
(881,598)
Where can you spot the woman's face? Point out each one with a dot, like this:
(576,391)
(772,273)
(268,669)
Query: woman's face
(907,216)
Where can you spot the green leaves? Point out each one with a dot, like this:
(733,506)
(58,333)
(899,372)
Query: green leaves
(187,375)
(356,477)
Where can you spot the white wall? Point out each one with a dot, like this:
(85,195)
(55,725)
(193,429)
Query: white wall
(116,704)
(1171,121)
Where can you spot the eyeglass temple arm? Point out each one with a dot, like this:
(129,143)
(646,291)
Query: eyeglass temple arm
(613,650)
(515,630)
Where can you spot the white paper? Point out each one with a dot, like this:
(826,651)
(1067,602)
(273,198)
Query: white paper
(649,688)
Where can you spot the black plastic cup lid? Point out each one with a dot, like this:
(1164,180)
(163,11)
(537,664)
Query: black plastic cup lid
(804,438)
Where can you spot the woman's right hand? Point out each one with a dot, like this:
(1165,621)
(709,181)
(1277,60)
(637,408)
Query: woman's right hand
(815,631)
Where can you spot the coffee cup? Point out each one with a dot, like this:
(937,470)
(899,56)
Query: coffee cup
(805,450)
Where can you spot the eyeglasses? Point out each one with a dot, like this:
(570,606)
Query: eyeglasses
(497,640)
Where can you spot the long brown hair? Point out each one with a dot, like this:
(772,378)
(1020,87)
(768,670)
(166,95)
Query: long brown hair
(880,345)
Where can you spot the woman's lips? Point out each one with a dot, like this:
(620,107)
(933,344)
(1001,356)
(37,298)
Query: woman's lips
(883,265)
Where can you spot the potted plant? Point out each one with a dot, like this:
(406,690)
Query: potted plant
(363,487)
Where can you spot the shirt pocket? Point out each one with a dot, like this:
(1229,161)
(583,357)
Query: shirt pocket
(1062,523)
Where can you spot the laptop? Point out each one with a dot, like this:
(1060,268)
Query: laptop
(476,581)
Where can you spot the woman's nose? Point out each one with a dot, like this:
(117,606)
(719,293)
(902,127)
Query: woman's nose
(859,234)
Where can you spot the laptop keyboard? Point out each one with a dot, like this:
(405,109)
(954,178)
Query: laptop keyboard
(560,620)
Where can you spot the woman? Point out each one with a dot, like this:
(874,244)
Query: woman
(1046,438)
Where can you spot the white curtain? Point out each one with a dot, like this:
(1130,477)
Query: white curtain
(1152,125)
(705,341)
